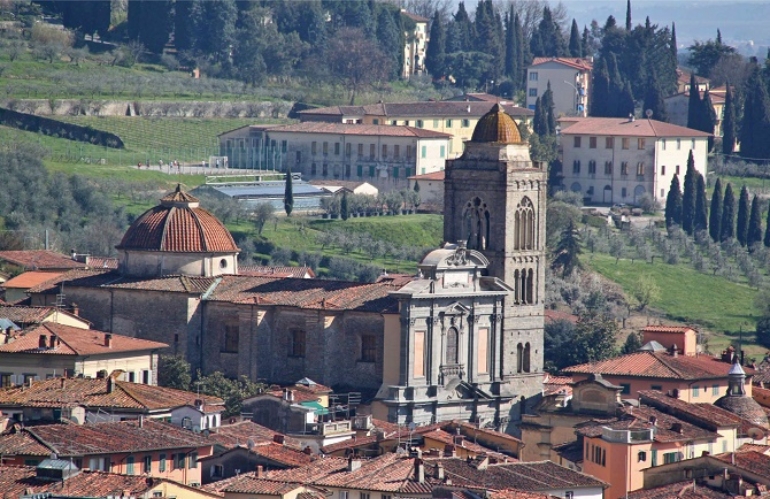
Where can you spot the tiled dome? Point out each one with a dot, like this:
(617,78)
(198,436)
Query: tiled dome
(496,127)
(745,407)
(179,225)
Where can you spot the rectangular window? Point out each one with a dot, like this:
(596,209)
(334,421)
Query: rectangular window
(624,168)
(449,123)
(131,377)
(218,471)
(692,144)
(640,143)
(663,169)
(626,388)
(343,494)
(533,92)
(678,144)
(608,167)
(423,152)
(130,465)
(192,461)
(162,463)
(592,142)
(677,170)
(298,157)
(371,171)
(533,76)
(576,141)
(435,123)
(368,348)
(715,390)
(360,170)
(347,171)
(384,151)
(396,151)
(326,148)
(625,142)
(442,151)
(372,151)
(592,167)
(146,377)
(325,169)
(284,146)
(395,172)
(348,147)
(363,495)
(298,337)
(654,457)
(656,387)
(419,124)
(724,445)
(466,123)
(695,391)
(609,142)
(179,464)
(623,192)
(483,339)
(360,150)
(147,468)
(409,154)
(419,354)
(376,121)
(393,122)
(640,170)
(670,457)
(230,339)
(313,169)
(576,167)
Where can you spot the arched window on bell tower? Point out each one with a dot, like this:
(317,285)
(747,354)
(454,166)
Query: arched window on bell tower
(475,224)
(524,226)
(527,350)
(452,342)
(519,358)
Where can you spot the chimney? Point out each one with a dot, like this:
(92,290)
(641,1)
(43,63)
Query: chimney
(108,340)
(110,384)
(141,421)
(53,339)
(75,309)
(63,382)
(353,464)
(259,471)
(42,341)
(419,470)
(631,117)
(279,439)
(653,420)
(439,471)
(675,351)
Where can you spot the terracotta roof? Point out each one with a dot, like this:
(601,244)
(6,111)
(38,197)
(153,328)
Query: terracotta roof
(396,280)
(683,76)
(622,127)
(762,449)
(69,439)
(570,451)
(69,392)
(16,481)
(668,329)
(573,62)
(448,438)
(415,17)
(496,127)
(102,262)
(178,224)
(53,285)
(282,454)
(422,109)
(516,494)
(706,415)
(249,484)
(311,386)
(269,271)
(113,279)
(40,260)
(309,473)
(556,315)
(299,395)
(751,461)
(22,443)
(30,279)
(668,428)
(25,315)
(439,175)
(359,129)
(238,434)
(75,341)
(471,431)
(683,490)
(658,365)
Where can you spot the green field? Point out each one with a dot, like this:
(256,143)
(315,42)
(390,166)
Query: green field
(408,230)
(686,295)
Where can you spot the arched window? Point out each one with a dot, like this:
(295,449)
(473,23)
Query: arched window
(524,226)
(519,358)
(476,222)
(452,341)
(526,363)
(530,287)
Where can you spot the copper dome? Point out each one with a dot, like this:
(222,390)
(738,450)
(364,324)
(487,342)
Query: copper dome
(179,225)
(496,127)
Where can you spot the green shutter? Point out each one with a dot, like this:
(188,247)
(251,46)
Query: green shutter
(360,170)
(395,172)
(371,171)
(654,457)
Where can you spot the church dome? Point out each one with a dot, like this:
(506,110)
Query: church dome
(496,127)
(737,402)
(178,225)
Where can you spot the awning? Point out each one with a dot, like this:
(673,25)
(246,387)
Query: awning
(318,408)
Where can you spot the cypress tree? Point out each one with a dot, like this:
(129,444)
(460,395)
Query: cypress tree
(288,193)
(388,36)
(344,207)
(435,55)
(600,89)
(653,99)
(628,15)
(584,42)
(674,203)
(708,118)
(755,126)
(540,124)
(522,56)
(688,197)
(727,225)
(715,215)
(510,46)
(755,223)
(701,205)
(742,230)
(767,230)
(547,109)
(616,88)
(575,45)
(728,123)
(626,104)
(673,47)
(694,105)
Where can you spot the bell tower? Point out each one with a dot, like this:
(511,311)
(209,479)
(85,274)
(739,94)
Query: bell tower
(495,203)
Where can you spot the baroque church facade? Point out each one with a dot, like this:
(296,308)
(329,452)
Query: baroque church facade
(463,339)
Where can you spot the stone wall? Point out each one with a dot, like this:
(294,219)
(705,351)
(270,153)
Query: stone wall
(186,109)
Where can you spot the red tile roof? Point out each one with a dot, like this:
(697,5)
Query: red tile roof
(668,329)
(40,260)
(75,341)
(22,315)
(282,454)
(93,393)
(270,271)
(668,428)
(22,443)
(30,279)
(557,315)
(439,175)
(69,439)
(102,262)
(238,434)
(310,473)
(359,130)
(680,490)
(706,415)
(658,365)
(112,279)
(623,127)
(517,494)
(573,62)
(751,461)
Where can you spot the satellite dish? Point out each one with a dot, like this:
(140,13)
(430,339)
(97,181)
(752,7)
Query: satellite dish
(648,113)
(755,434)
(250,444)
(206,432)
(196,429)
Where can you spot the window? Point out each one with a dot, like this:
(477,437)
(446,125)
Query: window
(524,225)
(678,144)
(218,471)
(724,445)
(146,376)
(375,121)
(325,169)
(608,167)
(663,144)
(284,146)
(298,337)
(466,123)
(396,151)
(343,494)
(533,92)
(623,192)
(654,457)
(313,169)
(395,172)
(609,142)
(695,391)
(435,123)
(715,390)
(409,152)
(384,150)
(298,157)
(179,462)
(230,338)
(640,170)
(162,462)
(372,151)
(326,148)
(592,167)
(626,388)
(670,457)
(592,142)
(624,168)
(348,148)
(5,380)
(677,170)
(419,123)
(576,167)
(449,123)
(423,152)
(360,170)
(442,151)
(147,468)
(640,143)
(393,122)
(360,149)
(662,169)
(625,142)
(533,76)
(452,341)
(641,456)
(364,495)
(192,462)
(692,144)
(569,494)
(131,377)
(656,387)
(576,141)
(371,171)
(386,497)
(347,171)
(130,465)
(368,348)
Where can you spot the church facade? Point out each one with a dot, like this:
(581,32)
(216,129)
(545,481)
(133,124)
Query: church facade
(463,339)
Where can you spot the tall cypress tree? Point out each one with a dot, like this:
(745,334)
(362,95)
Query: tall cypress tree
(673,47)
(742,229)
(547,109)
(628,15)
(435,55)
(653,99)
(727,225)
(694,105)
(701,205)
(715,215)
(522,54)
(688,197)
(755,126)
(755,223)
(708,118)
(728,122)
(288,193)
(674,203)
(510,46)
(540,123)
(575,44)
(584,42)
(767,231)
(600,90)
